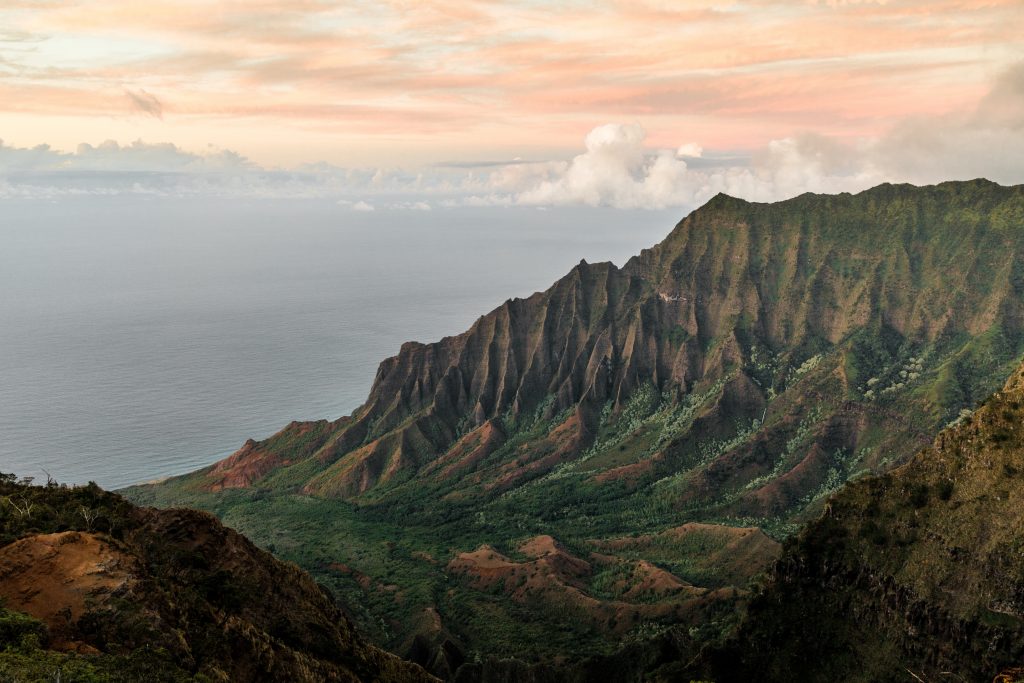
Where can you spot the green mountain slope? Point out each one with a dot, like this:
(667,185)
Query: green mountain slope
(725,381)
(919,570)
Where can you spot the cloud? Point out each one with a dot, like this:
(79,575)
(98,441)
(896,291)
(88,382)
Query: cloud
(7,36)
(987,141)
(146,103)
(614,170)
(137,167)
(412,206)
(436,71)
(619,171)
(1003,106)
(616,167)
(138,156)
(690,149)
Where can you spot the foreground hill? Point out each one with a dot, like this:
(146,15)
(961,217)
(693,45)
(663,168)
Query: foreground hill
(724,383)
(95,589)
(919,570)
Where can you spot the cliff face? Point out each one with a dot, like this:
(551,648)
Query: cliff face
(173,588)
(892,309)
(918,570)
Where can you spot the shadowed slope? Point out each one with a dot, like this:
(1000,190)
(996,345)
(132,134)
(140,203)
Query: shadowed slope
(174,588)
(918,570)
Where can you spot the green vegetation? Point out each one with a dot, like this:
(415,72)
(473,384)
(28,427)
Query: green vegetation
(26,509)
(916,570)
(23,658)
(738,374)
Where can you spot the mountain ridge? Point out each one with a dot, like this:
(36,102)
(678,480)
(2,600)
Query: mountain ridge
(568,344)
(735,374)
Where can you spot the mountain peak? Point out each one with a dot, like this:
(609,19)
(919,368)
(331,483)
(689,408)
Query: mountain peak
(723,201)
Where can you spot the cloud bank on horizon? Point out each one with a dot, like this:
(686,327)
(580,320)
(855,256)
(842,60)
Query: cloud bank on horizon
(616,168)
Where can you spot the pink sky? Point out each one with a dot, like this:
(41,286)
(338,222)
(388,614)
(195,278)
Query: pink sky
(406,82)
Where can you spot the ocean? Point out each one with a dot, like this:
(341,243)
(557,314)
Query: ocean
(142,337)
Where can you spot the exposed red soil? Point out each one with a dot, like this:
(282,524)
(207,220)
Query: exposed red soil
(649,580)
(557,578)
(57,577)
(734,553)
(467,452)
(254,460)
(632,472)
(563,443)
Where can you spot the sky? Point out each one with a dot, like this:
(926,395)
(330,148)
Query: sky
(424,104)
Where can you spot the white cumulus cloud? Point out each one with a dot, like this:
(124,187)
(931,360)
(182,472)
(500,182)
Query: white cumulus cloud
(616,169)
(690,149)
(619,170)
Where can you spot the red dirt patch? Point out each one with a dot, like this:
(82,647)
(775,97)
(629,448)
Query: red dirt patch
(468,451)
(538,546)
(554,578)
(630,473)
(254,460)
(735,554)
(649,580)
(57,577)
(562,443)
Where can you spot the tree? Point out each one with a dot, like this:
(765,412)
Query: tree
(89,515)
(22,506)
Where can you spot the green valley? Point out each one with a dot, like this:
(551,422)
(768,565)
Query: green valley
(617,460)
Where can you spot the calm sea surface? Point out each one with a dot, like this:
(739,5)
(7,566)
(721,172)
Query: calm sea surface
(143,338)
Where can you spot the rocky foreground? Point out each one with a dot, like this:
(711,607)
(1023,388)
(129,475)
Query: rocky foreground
(93,585)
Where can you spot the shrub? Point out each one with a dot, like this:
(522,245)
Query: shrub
(919,495)
(873,532)
(20,630)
